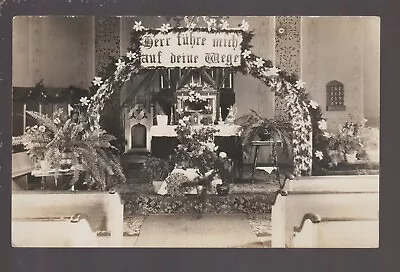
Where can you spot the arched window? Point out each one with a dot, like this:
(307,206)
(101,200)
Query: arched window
(335,96)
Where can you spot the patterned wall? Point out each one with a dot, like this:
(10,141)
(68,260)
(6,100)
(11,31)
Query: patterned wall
(107,40)
(287,51)
(107,44)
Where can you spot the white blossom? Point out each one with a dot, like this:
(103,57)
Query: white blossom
(313,104)
(84,101)
(138,26)
(42,128)
(300,84)
(224,24)
(165,27)
(131,55)
(70,109)
(210,24)
(191,25)
(259,62)
(244,25)
(274,71)
(56,121)
(319,155)
(97,81)
(222,155)
(246,54)
(322,124)
(120,64)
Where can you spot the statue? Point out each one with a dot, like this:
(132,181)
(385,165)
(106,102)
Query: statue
(230,118)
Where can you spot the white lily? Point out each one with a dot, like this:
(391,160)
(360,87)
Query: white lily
(138,26)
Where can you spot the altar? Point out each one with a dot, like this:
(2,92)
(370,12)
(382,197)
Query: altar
(164,141)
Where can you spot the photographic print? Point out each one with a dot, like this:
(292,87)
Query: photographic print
(195,131)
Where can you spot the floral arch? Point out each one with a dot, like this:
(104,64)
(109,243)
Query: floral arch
(304,113)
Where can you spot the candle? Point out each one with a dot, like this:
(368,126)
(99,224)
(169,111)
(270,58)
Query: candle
(220,115)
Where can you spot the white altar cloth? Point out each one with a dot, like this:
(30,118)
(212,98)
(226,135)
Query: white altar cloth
(169,131)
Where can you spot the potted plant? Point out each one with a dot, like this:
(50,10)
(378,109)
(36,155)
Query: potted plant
(255,127)
(75,145)
(158,170)
(347,141)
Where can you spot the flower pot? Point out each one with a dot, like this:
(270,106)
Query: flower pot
(157,185)
(162,120)
(351,157)
(200,189)
(222,189)
(265,135)
(66,160)
(44,165)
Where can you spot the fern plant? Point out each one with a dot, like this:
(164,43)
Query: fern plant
(253,126)
(93,156)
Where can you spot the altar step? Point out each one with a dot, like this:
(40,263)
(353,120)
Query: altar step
(132,162)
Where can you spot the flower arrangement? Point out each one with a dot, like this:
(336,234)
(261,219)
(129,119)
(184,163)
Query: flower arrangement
(347,141)
(34,140)
(197,150)
(349,137)
(195,101)
(88,145)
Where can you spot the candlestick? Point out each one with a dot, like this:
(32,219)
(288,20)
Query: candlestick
(220,115)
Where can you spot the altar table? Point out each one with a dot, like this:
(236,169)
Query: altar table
(164,141)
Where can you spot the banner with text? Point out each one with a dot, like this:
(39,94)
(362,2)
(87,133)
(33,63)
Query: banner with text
(191,49)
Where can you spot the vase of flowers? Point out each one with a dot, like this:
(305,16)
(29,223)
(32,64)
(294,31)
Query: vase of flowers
(197,152)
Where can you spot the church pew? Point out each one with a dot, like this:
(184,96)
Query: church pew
(104,209)
(338,232)
(22,165)
(361,183)
(70,231)
(290,207)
